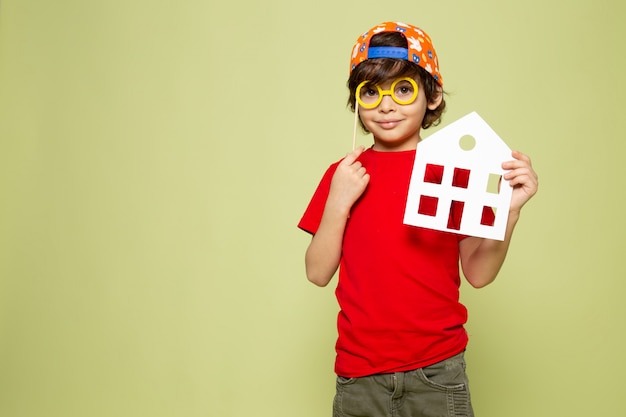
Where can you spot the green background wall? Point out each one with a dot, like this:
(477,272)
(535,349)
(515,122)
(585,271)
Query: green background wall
(155,157)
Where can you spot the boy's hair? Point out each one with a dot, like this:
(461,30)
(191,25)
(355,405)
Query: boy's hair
(381,70)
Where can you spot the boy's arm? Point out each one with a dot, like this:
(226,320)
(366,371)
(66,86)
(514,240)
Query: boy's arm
(324,252)
(481,259)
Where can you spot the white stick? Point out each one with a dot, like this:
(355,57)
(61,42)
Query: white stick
(356,117)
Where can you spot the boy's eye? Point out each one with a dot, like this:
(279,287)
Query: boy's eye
(404,89)
(371,92)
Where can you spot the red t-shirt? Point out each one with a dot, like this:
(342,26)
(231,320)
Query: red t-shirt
(398,288)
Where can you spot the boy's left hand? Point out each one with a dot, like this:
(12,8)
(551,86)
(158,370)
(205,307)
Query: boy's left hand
(522,178)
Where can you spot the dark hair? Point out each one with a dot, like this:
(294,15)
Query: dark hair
(381,70)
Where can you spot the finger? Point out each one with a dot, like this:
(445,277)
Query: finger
(518,168)
(520,172)
(520,156)
(519,180)
(352,156)
(525,181)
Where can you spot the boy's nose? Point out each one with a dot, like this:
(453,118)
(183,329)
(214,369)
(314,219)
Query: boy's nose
(386,104)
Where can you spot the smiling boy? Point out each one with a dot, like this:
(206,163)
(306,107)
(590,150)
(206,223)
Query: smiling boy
(401,326)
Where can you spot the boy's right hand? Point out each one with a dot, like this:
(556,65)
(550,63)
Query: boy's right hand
(349,181)
(324,253)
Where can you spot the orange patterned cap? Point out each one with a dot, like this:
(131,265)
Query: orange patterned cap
(420,51)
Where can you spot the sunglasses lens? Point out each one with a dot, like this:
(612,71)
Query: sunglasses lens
(367,95)
(404,91)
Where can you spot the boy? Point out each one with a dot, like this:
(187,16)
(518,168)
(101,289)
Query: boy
(401,336)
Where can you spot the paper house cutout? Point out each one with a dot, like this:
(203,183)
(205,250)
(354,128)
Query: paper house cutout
(466,158)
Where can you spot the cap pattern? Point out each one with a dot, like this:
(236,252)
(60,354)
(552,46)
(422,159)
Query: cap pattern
(420,47)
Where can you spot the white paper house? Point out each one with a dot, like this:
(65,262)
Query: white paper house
(467,144)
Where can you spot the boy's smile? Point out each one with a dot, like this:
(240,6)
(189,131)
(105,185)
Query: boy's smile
(388,124)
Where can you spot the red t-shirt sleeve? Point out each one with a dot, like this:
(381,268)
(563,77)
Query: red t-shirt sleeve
(312,217)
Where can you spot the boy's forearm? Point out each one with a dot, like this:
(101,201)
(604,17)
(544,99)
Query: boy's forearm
(324,252)
(481,259)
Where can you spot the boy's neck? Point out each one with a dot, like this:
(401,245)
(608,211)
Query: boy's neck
(395,147)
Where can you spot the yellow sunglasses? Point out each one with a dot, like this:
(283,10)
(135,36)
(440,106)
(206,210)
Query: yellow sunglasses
(403,91)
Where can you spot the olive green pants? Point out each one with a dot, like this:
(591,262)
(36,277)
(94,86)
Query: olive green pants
(439,390)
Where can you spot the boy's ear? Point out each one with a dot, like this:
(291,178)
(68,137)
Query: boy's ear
(436,101)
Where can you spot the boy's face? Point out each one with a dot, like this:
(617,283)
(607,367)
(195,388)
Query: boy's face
(396,127)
